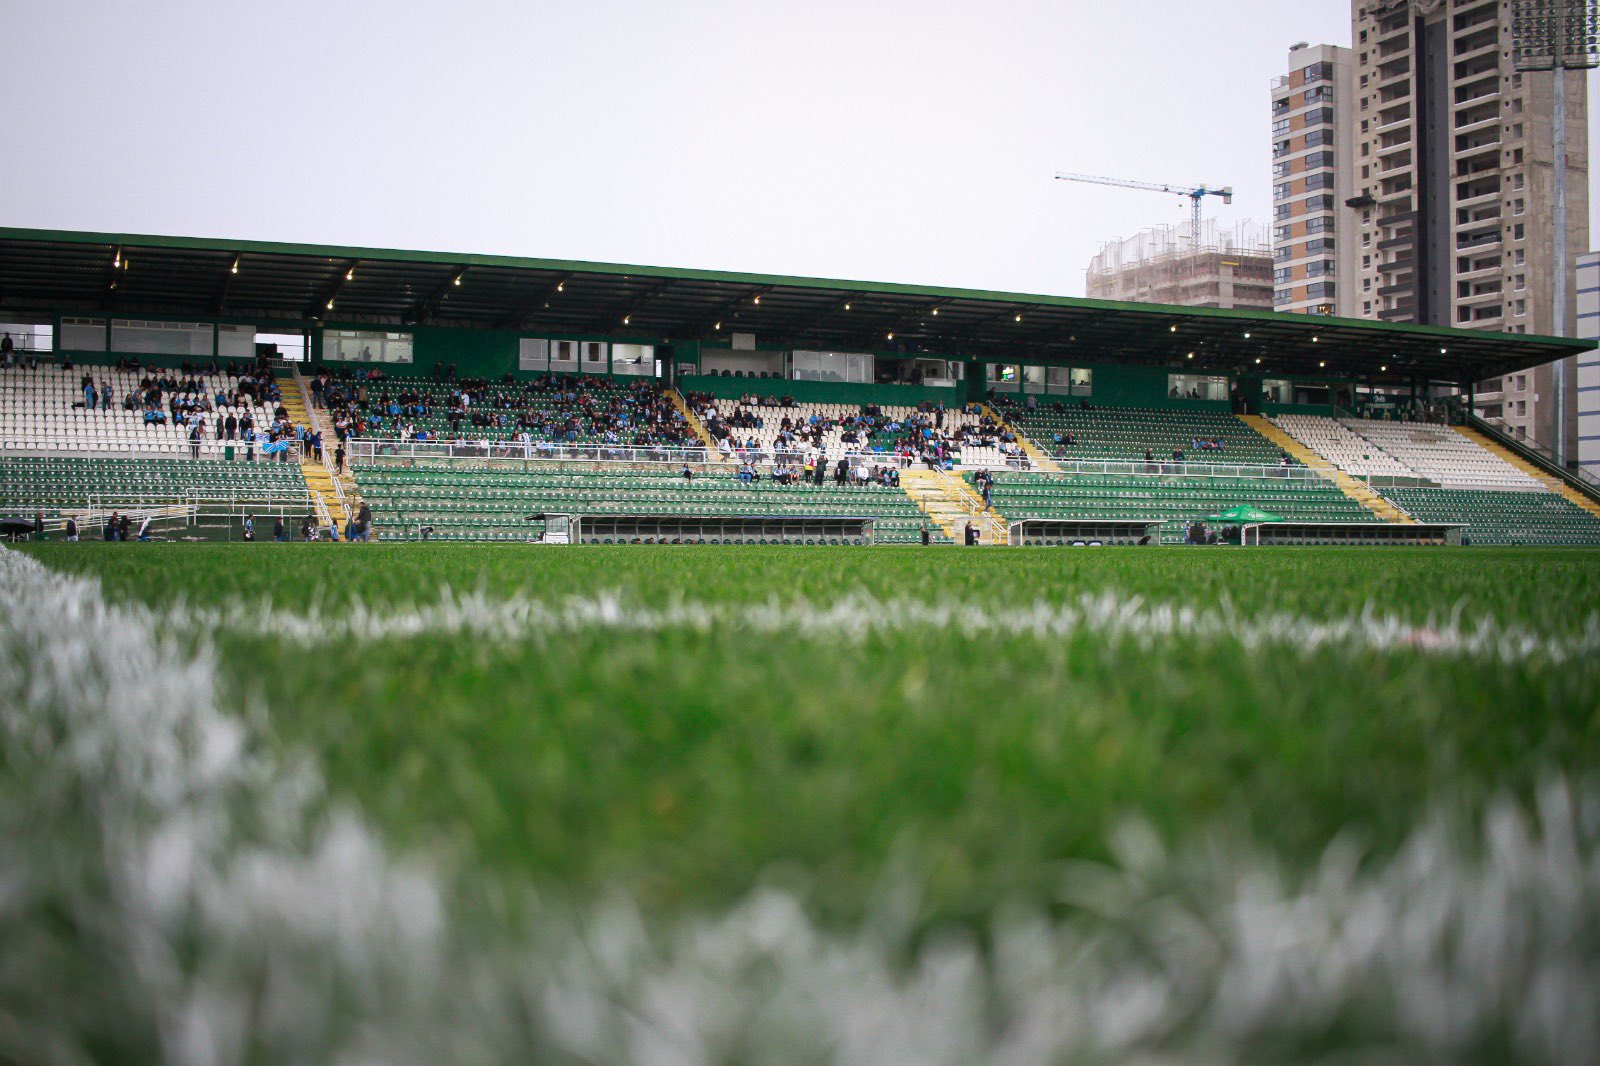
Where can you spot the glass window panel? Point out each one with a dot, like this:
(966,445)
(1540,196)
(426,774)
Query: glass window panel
(633,359)
(141,337)
(83,334)
(359,346)
(533,353)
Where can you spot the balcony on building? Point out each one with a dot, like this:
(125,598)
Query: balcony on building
(1467,18)
(1485,88)
(1391,26)
(1478,241)
(1475,44)
(1477,267)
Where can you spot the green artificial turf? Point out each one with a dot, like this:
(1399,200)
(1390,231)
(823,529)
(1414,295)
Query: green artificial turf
(686,764)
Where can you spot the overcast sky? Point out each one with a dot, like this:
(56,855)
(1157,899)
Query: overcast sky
(893,141)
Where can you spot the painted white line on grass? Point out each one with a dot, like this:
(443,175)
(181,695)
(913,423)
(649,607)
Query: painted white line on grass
(168,893)
(1112,615)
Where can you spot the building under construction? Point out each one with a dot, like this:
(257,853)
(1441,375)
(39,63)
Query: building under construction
(1225,268)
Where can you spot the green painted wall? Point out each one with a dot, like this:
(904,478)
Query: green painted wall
(1127,386)
(821,391)
(1297,409)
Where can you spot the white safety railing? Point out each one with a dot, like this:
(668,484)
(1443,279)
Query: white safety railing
(1181,468)
(130,447)
(359,450)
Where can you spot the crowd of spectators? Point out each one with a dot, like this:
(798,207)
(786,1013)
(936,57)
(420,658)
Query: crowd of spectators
(209,401)
(560,409)
(925,434)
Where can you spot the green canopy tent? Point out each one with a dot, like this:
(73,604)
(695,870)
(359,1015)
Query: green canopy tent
(1242,513)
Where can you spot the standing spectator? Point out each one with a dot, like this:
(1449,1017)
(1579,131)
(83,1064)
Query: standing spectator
(195,433)
(8,350)
(277,530)
(38,525)
(249,528)
(110,531)
(364,522)
(316,445)
(72,530)
(123,525)
(927,538)
(338,458)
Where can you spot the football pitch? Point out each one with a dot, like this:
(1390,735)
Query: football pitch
(455,802)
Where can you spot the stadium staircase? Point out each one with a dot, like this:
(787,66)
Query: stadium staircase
(951,502)
(327,494)
(1383,509)
(1040,460)
(1549,481)
(695,425)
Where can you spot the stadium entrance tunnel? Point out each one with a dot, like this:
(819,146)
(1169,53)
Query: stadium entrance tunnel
(1058,532)
(1335,534)
(705,529)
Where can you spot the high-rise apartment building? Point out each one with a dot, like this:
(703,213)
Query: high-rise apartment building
(1311,107)
(1225,268)
(1453,180)
(1587,441)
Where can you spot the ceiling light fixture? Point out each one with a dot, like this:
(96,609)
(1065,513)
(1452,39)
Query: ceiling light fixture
(350,275)
(330,305)
(1016,318)
(891,336)
(626,319)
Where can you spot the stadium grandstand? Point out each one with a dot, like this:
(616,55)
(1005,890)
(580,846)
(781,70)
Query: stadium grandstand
(201,383)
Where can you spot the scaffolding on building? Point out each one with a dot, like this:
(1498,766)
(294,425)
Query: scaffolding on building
(1228,266)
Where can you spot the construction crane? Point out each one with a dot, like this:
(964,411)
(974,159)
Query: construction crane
(1195,194)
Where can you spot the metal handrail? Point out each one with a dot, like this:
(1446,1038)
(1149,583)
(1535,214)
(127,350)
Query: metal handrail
(1585,481)
(1181,468)
(370,450)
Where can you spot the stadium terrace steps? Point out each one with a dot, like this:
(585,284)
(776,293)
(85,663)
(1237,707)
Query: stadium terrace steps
(1549,481)
(1442,457)
(495,504)
(1502,517)
(1124,434)
(951,502)
(1174,499)
(61,483)
(1384,510)
(1033,451)
(319,479)
(695,425)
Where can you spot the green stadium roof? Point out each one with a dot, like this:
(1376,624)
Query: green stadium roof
(49,272)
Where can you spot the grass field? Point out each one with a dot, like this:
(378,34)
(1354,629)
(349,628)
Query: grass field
(774,804)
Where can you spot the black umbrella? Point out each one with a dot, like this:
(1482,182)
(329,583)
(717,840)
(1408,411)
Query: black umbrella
(15,528)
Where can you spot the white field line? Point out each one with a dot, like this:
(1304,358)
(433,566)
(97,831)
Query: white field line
(168,893)
(1112,615)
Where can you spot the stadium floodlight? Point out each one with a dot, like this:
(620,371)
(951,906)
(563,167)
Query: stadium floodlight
(1557,35)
